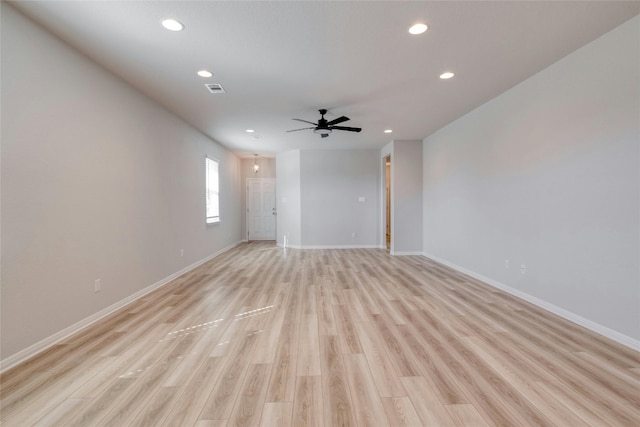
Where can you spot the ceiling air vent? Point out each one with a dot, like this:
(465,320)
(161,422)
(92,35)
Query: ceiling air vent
(215,88)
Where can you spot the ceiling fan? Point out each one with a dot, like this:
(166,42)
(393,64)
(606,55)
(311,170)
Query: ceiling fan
(324,127)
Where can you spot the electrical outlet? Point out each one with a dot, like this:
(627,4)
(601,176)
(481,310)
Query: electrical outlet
(181,252)
(523,269)
(97,285)
(506,264)
(354,235)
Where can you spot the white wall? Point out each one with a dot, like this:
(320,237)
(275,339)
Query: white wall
(288,198)
(406,215)
(406,195)
(548,175)
(340,196)
(97,182)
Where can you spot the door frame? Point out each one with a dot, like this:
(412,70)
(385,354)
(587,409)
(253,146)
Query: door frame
(387,205)
(247,217)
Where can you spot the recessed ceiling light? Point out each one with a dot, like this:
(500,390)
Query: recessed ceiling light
(172,24)
(250,131)
(205,73)
(418,29)
(447,75)
(388,131)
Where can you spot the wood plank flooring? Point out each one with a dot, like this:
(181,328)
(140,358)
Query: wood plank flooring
(264,336)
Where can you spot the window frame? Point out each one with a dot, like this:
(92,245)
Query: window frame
(213,219)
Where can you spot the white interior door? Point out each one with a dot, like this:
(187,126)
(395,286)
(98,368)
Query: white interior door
(261,209)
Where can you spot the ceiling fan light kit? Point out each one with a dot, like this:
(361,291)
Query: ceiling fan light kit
(324,127)
(323,132)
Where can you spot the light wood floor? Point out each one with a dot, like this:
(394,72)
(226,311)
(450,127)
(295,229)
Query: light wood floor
(258,336)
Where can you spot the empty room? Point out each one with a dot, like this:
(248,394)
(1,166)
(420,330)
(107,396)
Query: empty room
(320,213)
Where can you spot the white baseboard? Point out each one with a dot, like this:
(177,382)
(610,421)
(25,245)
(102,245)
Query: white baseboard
(401,253)
(280,245)
(332,247)
(340,247)
(572,317)
(44,344)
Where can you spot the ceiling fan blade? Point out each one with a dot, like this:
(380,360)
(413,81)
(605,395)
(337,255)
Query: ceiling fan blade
(306,121)
(295,130)
(324,135)
(346,128)
(338,120)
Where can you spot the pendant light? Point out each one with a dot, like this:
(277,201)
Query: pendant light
(256,166)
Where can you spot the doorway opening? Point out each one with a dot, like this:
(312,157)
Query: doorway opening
(387,200)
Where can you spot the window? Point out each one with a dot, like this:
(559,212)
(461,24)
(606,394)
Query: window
(213,188)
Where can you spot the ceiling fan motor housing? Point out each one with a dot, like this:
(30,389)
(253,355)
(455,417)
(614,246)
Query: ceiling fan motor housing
(322,128)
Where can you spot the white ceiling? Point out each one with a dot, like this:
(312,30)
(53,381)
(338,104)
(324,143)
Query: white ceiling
(280,60)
